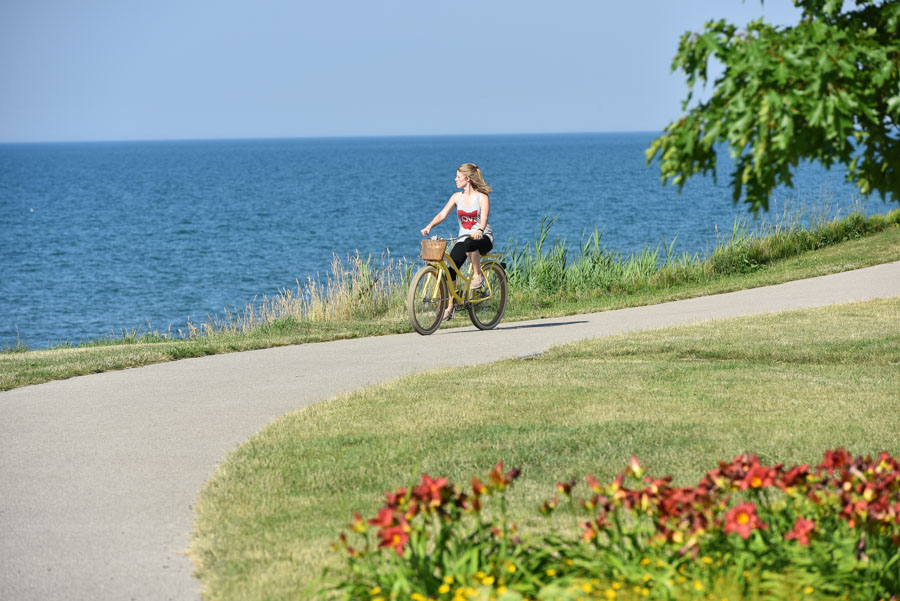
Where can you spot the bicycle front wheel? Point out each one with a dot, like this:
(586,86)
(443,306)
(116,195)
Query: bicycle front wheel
(428,298)
(487,305)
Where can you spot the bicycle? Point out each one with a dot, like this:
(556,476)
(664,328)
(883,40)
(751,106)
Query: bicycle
(431,289)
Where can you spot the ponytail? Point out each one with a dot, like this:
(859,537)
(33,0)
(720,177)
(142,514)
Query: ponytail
(471,171)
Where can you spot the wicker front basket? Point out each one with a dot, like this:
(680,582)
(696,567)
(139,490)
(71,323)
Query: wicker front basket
(433,250)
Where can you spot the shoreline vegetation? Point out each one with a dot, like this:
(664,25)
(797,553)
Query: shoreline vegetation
(366,296)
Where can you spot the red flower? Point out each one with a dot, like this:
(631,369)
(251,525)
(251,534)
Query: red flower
(565,488)
(592,528)
(742,519)
(433,492)
(396,499)
(836,459)
(758,476)
(592,482)
(395,537)
(501,480)
(795,475)
(801,531)
(385,518)
(549,506)
(478,487)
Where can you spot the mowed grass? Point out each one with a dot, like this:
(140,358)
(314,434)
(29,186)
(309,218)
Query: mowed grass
(23,368)
(785,386)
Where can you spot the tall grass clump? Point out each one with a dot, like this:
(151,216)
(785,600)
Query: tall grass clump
(355,289)
(546,268)
(541,268)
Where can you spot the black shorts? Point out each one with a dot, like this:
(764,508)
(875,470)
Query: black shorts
(469,244)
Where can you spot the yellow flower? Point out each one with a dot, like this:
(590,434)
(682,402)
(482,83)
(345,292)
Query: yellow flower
(646,577)
(417,597)
(501,590)
(444,589)
(479,575)
(487,580)
(570,562)
(551,572)
(616,585)
(660,563)
(510,567)
(645,592)
(698,586)
(809,590)
(706,559)
(677,537)
(375,591)
(645,562)
(448,579)
(586,587)
(610,594)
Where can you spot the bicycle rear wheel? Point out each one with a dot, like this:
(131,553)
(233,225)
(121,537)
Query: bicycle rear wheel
(427,300)
(487,305)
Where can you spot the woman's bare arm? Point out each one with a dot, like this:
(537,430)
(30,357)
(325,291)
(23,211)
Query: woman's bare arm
(439,218)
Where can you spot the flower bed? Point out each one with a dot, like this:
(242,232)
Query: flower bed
(745,531)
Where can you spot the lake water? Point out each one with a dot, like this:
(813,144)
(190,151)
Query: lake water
(101,237)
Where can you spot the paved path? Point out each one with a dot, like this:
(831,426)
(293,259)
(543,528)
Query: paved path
(99,474)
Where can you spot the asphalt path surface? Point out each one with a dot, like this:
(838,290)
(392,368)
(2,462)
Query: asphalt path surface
(99,474)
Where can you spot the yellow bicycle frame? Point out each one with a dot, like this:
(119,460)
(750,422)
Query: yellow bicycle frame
(444,265)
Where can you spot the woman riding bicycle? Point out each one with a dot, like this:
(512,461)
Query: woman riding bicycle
(476,238)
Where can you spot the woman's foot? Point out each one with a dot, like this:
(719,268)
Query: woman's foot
(476,284)
(448,314)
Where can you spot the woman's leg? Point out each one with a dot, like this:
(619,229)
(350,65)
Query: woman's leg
(478,277)
(481,248)
(473,250)
(458,256)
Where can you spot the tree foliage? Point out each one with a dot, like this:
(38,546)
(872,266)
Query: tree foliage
(826,89)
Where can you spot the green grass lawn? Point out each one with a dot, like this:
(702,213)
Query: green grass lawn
(785,386)
(22,368)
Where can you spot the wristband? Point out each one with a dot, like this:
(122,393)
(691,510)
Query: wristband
(481,229)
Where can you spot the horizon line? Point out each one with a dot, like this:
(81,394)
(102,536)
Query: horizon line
(331,137)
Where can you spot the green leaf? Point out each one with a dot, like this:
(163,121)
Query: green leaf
(803,91)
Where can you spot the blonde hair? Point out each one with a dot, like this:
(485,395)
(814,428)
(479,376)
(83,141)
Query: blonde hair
(471,171)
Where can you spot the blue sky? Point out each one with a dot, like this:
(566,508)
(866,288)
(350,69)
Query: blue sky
(188,69)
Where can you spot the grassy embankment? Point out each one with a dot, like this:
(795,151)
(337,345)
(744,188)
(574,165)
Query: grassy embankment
(785,386)
(363,298)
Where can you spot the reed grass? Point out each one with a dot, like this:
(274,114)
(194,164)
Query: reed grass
(356,288)
(537,268)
